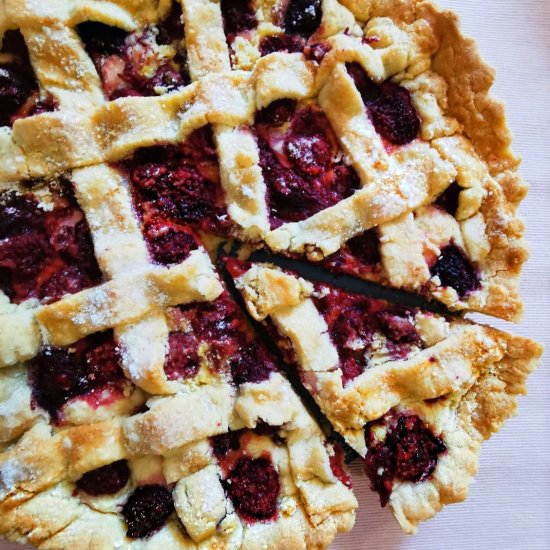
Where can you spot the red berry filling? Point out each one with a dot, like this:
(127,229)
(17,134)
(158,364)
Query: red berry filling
(455,271)
(107,480)
(357,256)
(389,106)
(44,254)
(131,64)
(353,320)
(253,486)
(232,347)
(448,200)
(88,367)
(170,243)
(409,452)
(147,510)
(182,360)
(302,17)
(180,184)
(338,468)
(281,43)
(239,16)
(19,91)
(301,162)
(224,444)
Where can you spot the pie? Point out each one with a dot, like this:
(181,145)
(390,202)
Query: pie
(139,406)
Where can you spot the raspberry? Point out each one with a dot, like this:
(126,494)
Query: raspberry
(409,452)
(389,106)
(147,510)
(365,247)
(238,16)
(253,486)
(448,200)
(106,480)
(281,43)
(455,271)
(251,364)
(303,17)
(182,361)
(170,244)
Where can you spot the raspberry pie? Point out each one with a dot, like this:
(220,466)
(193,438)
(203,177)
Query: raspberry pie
(139,407)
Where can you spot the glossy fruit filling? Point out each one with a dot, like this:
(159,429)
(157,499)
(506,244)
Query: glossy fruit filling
(147,510)
(302,17)
(358,256)
(239,16)
(19,92)
(143,63)
(301,161)
(179,185)
(45,251)
(107,480)
(389,106)
(232,347)
(90,368)
(456,271)
(355,323)
(409,452)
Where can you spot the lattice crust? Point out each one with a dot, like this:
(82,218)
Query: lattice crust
(462,379)
(42,504)
(462,136)
(127,277)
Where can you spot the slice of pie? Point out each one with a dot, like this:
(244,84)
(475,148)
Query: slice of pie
(138,408)
(413,392)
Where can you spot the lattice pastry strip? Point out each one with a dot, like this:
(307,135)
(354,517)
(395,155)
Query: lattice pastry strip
(389,378)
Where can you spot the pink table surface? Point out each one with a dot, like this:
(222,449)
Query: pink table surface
(509,503)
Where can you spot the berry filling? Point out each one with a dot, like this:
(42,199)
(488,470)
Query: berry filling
(302,17)
(358,256)
(281,43)
(239,17)
(409,452)
(301,161)
(44,254)
(232,347)
(253,486)
(147,510)
(169,243)
(90,367)
(182,360)
(19,92)
(224,444)
(455,271)
(449,199)
(180,184)
(338,468)
(389,106)
(354,322)
(107,480)
(144,63)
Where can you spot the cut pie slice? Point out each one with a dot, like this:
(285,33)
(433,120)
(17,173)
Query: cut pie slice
(413,392)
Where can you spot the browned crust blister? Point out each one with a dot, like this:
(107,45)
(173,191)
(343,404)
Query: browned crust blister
(464,137)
